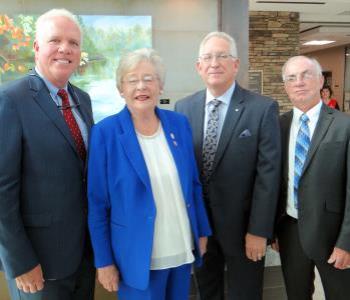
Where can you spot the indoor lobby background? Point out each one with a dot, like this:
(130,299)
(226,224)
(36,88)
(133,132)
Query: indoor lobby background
(266,36)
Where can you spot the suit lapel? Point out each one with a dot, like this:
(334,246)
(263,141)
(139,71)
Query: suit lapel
(233,114)
(132,147)
(43,98)
(83,108)
(325,119)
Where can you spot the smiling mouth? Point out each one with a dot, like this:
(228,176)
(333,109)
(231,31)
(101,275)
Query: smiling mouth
(63,61)
(142,97)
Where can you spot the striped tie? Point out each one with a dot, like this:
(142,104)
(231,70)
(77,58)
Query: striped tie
(301,148)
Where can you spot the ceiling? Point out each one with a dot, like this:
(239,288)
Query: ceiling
(319,19)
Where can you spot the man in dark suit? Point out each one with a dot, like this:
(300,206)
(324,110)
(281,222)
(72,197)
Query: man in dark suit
(44,126)
(236,137)
(313,225)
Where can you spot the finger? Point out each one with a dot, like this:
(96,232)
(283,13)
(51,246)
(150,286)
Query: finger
(331,260)
(339,264)
(39,285)
(114,288)
(19,285)
(26,288)
(32,288)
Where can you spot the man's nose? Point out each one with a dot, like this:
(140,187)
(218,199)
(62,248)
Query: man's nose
(64,48)
(214,61)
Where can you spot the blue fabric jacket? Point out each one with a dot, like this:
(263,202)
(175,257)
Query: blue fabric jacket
(122,211)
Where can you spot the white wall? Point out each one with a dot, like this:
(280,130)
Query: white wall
(178,27)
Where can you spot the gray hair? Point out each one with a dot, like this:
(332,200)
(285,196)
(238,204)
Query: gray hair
(312,60)
(130,60)
(221,35)
(56,12)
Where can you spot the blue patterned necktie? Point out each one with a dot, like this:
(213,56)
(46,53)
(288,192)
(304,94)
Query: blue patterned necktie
(301,148)
(211,140)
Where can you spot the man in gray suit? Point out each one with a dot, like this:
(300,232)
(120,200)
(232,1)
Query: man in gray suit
(313,225)
(44,126)
(236,137)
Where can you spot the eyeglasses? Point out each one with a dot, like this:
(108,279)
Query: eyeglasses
(304,76)
(220,57)
(146,80)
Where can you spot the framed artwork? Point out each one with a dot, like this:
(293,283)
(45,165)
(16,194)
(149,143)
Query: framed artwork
(105,39)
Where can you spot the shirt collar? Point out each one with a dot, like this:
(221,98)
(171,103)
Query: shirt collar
(224,98)
(52,88)
(312,113)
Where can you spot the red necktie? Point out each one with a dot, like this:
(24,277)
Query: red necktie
(72,124)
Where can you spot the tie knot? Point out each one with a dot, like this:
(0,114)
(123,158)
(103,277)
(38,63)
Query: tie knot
(215,103)
(304,118)
(64,96)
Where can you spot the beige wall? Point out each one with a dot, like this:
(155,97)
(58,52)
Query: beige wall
(178,27)
(333,60)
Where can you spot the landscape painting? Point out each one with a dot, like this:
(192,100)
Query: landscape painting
(106,38)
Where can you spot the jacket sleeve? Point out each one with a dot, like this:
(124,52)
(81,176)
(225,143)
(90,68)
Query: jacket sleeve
(16,251)
(267,180)
(99,201)
(343,241)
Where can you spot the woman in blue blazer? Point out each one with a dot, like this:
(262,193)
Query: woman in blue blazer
(146,215)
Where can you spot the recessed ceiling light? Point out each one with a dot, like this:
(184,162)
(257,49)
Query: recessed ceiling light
(318,43)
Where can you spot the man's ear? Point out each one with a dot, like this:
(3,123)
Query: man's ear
(198,66)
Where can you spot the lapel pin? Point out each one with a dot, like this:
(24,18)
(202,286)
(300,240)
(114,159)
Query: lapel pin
(172,135)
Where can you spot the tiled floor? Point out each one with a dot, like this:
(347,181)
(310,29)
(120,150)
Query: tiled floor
(273,288)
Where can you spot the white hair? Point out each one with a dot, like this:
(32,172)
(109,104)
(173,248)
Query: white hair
(130,60)
(56,12)
(221,35)
(313,61)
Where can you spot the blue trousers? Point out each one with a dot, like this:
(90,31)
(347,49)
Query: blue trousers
(167,284)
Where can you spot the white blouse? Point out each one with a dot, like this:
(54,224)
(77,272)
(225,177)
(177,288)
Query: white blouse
(172,242)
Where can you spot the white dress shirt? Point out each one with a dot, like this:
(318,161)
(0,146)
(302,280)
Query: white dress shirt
(313,115)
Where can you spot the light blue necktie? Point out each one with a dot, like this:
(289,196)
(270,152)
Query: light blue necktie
(301,148)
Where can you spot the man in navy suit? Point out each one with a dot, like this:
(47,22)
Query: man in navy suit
(242,189)
(44,248)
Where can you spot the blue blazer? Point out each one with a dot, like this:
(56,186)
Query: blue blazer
(43,204)
(122,211)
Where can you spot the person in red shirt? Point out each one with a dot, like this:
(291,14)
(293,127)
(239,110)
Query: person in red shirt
(326,94)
